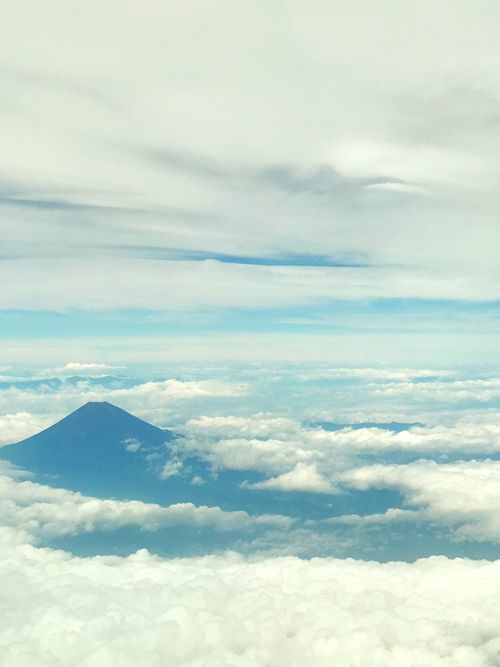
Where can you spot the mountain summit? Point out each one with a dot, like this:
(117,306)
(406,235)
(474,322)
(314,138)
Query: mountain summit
(99,445)
(95,421)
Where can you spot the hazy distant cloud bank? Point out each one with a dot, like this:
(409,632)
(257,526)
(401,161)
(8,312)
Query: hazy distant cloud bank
(57,396)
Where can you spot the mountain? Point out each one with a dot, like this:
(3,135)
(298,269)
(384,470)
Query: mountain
(87,426)
(98,448)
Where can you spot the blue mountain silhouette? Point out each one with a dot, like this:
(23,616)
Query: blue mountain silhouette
(97,449)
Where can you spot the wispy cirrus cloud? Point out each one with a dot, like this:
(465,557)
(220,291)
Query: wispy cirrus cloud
(362,159)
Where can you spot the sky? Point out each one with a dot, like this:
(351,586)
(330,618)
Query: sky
(271,228)
(209,171)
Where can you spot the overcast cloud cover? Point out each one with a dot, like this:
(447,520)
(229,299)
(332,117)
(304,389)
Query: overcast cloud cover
(273,229)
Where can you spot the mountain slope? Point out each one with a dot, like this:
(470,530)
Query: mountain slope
(97,448)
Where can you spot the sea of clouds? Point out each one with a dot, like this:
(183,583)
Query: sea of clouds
(264,606)
(58,610)
(443,463)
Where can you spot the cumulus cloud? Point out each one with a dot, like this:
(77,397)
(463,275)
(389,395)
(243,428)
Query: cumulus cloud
(80,368)
(288,448)
(20,425)
(44,512)
(466,435)
(60,610)
(463,497)
(270,455)
(148,399)
(304,477)
(180,389)
(171,469)
(392,515)
(132,444)
(477,389)
(394,374)
(261,425)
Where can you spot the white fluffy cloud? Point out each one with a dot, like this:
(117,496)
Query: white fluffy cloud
(79,368)
(268,455)
(481,390)
(151,400)
(44,512)
(179,389)
(20,425)
(261,425)
(394,374)
(304,477)
(466,435)
(228,612)
(463,497)
(283,446)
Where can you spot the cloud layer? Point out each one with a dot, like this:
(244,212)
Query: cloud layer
(463,497)
(372,157)
(44,513)
(227,611)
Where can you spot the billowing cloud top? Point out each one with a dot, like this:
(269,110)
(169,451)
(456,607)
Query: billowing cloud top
(229,611)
